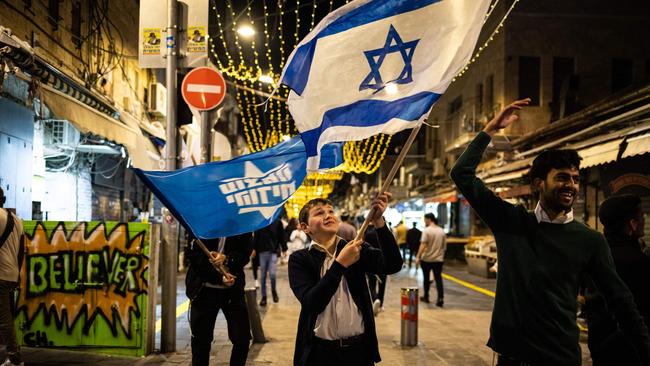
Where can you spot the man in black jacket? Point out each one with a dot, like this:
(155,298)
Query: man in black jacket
(413,237)
(210,291)
(336,325)
(268,242)
(623,221)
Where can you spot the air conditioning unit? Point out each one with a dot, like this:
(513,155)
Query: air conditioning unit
(60,133)
(439,168)
(157,100)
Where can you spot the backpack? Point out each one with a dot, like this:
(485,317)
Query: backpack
(8,229)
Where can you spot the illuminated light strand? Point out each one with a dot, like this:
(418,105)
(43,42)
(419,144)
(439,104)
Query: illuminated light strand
(297,31)
(249,141)
(487,42)
(313,15)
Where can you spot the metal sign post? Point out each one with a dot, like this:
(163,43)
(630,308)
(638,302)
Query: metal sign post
(170,246)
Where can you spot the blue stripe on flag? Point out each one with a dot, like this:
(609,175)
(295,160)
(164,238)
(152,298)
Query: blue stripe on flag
(297,71)
(366,113)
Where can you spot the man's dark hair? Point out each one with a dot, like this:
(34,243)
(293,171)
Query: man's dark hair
(3,199)
(303,216)
(617,210)
(345,216)
(431,217)
(553,159)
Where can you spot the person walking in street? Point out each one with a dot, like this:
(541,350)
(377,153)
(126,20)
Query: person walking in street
(297,240)
(11,231)
(269,242)
(347,231)
(209,292)
(413,237)
(623,220)
(542,257)
(336,324)
(431,256)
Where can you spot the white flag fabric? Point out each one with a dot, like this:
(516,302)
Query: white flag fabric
(377,66)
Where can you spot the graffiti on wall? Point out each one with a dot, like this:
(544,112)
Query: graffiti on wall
(75,277)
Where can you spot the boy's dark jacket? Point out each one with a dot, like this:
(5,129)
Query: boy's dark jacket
(314,292)
(237,249)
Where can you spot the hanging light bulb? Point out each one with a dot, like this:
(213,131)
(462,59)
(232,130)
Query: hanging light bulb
(266,79)
(246,31)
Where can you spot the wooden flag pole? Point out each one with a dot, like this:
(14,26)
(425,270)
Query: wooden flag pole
(220,268)
(391,175)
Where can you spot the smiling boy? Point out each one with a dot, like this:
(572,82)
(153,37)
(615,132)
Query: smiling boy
(542,257)
(336,325)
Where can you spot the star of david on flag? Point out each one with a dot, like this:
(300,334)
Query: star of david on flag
(235,196)
(376,58)
(377,66)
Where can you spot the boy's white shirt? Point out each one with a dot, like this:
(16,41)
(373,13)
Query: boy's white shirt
(341,318)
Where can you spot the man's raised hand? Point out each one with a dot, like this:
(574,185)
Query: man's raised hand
(379,205)
(505,117)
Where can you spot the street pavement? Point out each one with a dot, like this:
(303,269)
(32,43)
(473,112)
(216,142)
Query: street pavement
(453,335)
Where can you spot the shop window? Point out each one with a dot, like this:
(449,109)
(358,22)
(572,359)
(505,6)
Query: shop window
(621,73)
(529,79)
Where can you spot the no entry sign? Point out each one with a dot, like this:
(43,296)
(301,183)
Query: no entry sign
(203,88)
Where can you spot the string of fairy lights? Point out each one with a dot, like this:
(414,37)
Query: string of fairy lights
(266,124)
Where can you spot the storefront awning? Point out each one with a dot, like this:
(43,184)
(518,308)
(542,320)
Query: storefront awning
(505,177)
(637,145)
(444,197)
(599,154)
(88,120)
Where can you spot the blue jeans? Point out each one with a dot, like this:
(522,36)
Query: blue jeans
(268,262)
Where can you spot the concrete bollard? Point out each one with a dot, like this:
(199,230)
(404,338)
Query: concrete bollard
(409,299)
(254,316)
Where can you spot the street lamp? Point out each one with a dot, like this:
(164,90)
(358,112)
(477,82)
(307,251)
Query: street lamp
(266,79)
(246,31)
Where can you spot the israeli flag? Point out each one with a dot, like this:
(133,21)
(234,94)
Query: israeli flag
(239,195)
(377,66)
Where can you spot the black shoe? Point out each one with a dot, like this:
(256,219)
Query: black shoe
(424,299)
(263,301)
(275,296)
(440,303)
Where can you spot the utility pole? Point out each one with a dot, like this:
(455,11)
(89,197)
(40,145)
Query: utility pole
(170,240)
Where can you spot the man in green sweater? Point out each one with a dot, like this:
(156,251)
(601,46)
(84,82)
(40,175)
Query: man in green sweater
(542,257)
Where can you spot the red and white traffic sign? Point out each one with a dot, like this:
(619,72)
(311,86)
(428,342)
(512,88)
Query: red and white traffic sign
(203,88)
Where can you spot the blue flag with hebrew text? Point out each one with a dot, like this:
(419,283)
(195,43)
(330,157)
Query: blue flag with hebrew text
(239,195)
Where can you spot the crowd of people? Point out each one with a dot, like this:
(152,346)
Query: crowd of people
(546,259)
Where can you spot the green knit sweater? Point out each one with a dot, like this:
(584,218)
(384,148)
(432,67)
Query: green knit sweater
(540,268)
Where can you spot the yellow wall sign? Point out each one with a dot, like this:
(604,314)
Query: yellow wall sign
(197,40)
(152,41)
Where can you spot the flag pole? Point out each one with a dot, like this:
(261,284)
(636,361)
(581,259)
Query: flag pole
(219,267)
(391,175)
